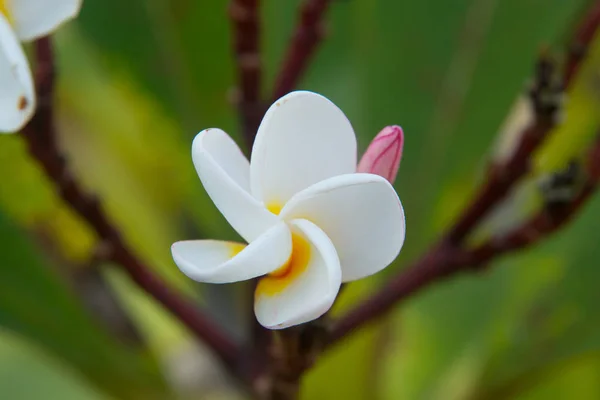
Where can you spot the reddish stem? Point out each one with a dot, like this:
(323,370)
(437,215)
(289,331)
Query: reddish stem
(308,34)
(246,37)
(582,38)
(502,178)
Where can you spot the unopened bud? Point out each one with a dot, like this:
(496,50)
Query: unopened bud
(384,153)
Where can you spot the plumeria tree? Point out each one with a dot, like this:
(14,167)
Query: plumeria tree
(312,212)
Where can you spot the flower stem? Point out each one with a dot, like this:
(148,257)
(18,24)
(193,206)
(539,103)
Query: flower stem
(307,35)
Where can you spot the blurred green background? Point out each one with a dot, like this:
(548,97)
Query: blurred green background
(139,78)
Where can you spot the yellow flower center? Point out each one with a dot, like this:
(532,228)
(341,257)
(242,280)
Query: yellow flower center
(281,278)
(4,9)
(235,248)
(275,208)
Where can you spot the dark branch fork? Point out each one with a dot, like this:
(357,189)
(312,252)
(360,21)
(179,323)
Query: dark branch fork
(307,35)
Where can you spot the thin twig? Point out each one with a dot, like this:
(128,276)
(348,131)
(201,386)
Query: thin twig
(547,221)
(307,35)
(246,36)
(582,38)
(246,32)
(447,260)
(39,135)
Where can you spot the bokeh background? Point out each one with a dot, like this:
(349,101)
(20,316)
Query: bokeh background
(139,78)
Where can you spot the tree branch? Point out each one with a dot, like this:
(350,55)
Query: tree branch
(246,37)
(40,136)
(548,220)
(582,38)
(307,35)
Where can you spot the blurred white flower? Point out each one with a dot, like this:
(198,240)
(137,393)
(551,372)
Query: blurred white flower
(24,20)
(310,220)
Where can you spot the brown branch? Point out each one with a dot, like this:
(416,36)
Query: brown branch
(307,36)
(446,260)
(246,31)
(579,46)
(502,177)
(245,18)
(39,135)
(435,265)
(548,220)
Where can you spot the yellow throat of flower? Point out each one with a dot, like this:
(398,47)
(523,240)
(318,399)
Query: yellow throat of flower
(4,9)
(280,279)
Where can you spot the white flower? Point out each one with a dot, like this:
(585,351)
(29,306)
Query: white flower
(24,20)
(310,220)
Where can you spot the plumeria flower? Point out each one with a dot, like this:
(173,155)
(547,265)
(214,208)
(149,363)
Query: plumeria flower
(310,220)
(24,20)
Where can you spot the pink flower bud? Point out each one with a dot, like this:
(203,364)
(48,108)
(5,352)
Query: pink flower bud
(384,153)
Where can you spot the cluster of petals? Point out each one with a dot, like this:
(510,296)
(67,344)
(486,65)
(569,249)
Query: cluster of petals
(310,219)
(22,21)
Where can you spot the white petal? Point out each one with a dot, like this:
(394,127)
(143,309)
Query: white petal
(361,214)
(308,289)
(17,97)
(215,261)
(303,139)
(36,18)
(224,172)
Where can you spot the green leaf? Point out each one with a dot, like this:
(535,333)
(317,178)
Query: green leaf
(35,304)
(21,364)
